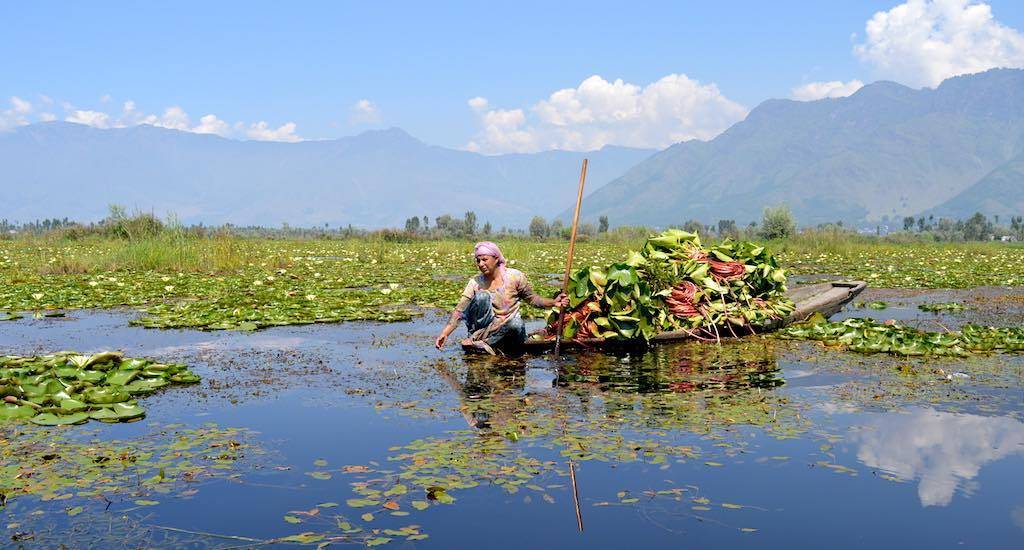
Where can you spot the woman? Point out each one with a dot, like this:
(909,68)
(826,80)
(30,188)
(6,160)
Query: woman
(490,303)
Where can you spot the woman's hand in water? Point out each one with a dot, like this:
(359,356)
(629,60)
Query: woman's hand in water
(439,342)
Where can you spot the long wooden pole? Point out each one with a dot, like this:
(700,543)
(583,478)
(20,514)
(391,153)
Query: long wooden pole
(568,261)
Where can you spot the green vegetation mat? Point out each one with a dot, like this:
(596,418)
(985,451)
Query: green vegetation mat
(70,388)
(870,336)
(234,283)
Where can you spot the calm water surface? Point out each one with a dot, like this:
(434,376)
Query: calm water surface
(761,443)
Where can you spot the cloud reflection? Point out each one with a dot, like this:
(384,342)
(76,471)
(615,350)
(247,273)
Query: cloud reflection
(941,449)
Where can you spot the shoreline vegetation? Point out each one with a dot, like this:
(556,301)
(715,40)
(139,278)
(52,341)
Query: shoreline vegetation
(216,279)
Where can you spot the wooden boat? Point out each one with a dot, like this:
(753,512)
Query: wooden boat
(824,298)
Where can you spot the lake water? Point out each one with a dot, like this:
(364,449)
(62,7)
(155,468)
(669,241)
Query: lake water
(759,443)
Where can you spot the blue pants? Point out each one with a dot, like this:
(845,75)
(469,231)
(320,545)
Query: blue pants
(479,315)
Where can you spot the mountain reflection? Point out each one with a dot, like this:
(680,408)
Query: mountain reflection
(943,450)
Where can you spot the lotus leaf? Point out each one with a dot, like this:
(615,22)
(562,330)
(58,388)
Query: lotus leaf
(91,376)
(145,385)
(10,411)
(184,378)
(72,405)
(119,412)
(105,395)
(121,377)
(50,419)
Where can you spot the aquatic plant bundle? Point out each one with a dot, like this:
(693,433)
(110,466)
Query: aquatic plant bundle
(870,336)
(70,388)
(674,283)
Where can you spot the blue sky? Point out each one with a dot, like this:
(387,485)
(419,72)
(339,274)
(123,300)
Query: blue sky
(415,65)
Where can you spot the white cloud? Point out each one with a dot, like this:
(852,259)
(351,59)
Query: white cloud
(210,124)
(598,113)
(364,111)
(96,119)
(21,106)
(943,450)
(106,98)
(263,132)
(820,90)
(173,117)
(16,115)
(478,103)
(922,42)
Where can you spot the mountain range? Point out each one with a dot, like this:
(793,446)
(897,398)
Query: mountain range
(376,179)
(885,152)
(882,153)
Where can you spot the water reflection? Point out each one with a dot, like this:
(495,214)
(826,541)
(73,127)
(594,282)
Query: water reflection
(944,450)
(687,386)
(678,369)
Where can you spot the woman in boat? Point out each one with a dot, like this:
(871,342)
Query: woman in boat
(490,303)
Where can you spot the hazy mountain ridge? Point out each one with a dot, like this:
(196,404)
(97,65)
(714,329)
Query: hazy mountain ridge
(886,150)
(375,179)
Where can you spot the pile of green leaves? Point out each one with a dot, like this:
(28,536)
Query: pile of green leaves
(632,299)
(70,388)
(870,336)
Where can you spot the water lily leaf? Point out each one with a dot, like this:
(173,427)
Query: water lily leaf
(72,405)
(143,502)
(10,411)
(292,519)
(50,419)
(105,395)
(121,377)
(118,412)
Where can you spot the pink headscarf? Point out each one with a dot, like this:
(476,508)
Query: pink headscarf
(490,249)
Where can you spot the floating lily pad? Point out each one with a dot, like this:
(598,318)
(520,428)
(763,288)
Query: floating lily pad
(119,412)
(50,419)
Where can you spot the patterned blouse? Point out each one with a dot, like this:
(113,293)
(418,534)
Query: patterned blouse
(505,299)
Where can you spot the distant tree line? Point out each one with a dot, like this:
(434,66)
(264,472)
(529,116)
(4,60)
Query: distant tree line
(776,223)
(976,228)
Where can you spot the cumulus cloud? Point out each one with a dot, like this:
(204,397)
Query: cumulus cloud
(923,42)
(943,450)
(598,113)
(364,111)
(263,132)
(210,124)
(821,90)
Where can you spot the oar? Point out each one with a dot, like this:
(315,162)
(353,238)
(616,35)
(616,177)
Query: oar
(568,262)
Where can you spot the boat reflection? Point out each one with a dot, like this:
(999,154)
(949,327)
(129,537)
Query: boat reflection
(661,381)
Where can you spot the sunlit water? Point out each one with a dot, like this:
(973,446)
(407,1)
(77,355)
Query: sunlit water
(760,443)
